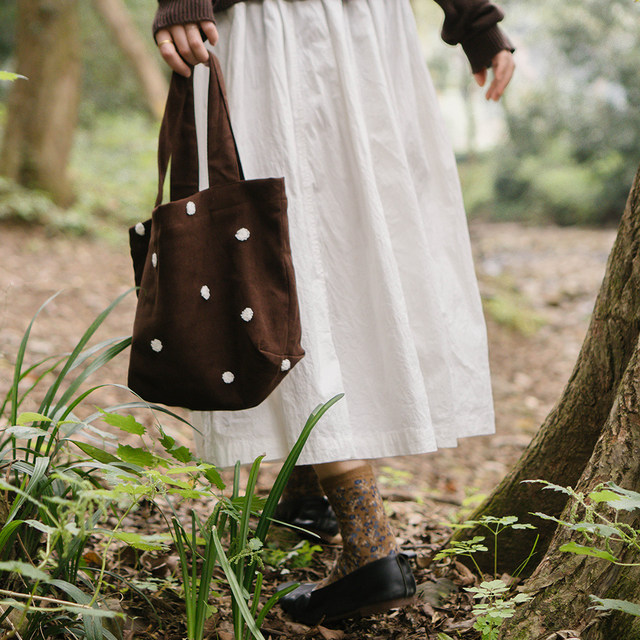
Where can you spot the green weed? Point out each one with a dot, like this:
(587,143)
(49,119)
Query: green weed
(494,606)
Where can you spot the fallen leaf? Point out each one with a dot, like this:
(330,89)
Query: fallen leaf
(565,634)
(435,592)
(331,634)
(92,559)
(466,577)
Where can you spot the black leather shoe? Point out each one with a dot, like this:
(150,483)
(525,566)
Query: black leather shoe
(378,586)
(312,514)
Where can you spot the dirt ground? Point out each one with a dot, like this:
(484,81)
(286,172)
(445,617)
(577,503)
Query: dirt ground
(540,284)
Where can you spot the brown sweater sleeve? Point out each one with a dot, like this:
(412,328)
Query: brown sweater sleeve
(474,25)
(172,12)
(471,23)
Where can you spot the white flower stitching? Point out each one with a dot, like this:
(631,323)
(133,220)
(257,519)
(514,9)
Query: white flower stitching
(139,228)
(285,365)
(247,314)
(191,208)
(228,377)
(154,260)
(156,345)
(205,292)
(243,234)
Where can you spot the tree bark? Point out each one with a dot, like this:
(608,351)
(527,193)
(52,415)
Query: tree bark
(42,111)
(145,65)
(562,582)
(565,443)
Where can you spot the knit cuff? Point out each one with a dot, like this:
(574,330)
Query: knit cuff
(482,47)
(172,12)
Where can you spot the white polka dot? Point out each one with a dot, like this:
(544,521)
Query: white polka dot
(205,292)
(285,365)
(154,259)
(228,377)
(191,208)
(156,345)
(243,234)
(247,314)
(140,230)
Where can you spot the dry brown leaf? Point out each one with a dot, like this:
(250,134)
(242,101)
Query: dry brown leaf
(423,561)
(466,577)
(92,559)
(564,634)
(331,634)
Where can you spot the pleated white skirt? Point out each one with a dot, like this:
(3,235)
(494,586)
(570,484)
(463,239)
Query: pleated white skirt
(335,96)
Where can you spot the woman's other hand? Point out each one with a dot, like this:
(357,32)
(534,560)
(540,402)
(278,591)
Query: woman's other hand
(502,66)
(181,45)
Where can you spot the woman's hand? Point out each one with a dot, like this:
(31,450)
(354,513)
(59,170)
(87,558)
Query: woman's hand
(181,45)
(502,66)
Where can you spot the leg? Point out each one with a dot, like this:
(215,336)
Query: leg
(304,505)
(366,533)
(370,575)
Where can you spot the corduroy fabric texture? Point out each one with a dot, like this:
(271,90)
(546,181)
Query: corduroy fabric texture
(217,324)
(364,526)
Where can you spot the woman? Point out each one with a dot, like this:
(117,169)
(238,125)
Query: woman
(334,95)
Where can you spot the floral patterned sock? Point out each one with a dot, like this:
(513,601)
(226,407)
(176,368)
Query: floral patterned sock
(366,532)
(303,483)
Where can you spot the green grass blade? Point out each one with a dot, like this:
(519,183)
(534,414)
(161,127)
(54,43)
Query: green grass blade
(135,405)
(272,601)
(283,477)
(37,472)
(92,624)
(236,589)
(17,370)
(92,367)
(77,351)
(184,566)
(285,472)
(6,534)
(210,557)
(27,372)
(255,602)
(95,349)
(243,533)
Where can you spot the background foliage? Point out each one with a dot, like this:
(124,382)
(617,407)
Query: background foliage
(561,148)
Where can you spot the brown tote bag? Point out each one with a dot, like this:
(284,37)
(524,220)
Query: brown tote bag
(217,324)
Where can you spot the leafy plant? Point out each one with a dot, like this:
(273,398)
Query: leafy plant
(494,607)
(604,536)
(495,526)
(59,488)
(137,472)
(10,77)
(46,512)
(299,556)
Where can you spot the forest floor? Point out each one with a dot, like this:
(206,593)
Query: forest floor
(538,285)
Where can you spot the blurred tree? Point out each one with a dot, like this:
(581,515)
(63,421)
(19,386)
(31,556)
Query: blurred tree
(42,111)
(135,49)
(574,125)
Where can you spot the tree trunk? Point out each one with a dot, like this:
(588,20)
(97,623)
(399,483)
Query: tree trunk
(42,111)
(562,582)
(565,443)
(134,48)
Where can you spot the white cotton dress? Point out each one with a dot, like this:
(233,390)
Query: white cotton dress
(335,96)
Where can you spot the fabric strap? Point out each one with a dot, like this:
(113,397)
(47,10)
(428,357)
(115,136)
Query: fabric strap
(178,139)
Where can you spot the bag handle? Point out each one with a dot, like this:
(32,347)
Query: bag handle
(177,138)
